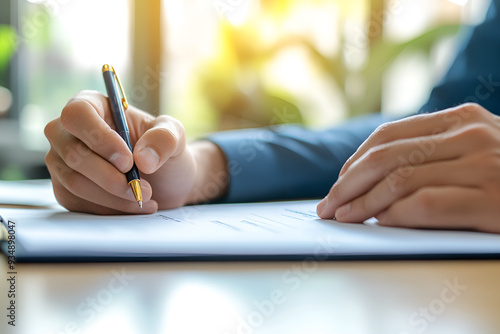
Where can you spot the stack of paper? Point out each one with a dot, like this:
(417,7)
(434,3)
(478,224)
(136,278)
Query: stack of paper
(27,193)
(278,230)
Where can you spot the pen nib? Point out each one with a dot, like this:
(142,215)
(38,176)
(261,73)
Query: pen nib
(136,189)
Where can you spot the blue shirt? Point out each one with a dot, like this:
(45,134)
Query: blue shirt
(291,162)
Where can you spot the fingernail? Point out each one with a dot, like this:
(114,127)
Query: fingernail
(322,206)
(343,211)
(149,158)
(120,161)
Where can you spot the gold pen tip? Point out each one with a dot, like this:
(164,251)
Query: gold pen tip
(136,189)
(4,235)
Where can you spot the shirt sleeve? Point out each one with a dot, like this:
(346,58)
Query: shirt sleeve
(289,162)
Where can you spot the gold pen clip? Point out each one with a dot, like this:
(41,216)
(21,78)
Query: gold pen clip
(4,235)
(112,69)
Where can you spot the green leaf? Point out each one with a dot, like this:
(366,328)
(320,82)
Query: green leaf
(384,53)
(8,45)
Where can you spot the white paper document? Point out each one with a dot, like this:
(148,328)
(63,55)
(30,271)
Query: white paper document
(259,230)
(27,193)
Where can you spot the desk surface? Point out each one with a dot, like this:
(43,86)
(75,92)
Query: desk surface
(286,297)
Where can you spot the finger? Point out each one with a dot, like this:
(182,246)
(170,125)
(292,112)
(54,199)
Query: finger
(81,159)
(75,204)
(403,182)
(378,162)
(164,140)
(85,190)
(88,118)
(418,126)
(444,208)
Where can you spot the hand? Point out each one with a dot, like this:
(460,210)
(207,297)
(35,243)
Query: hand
(439,170)
(88,159)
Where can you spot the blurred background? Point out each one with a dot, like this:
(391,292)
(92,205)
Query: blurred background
(220,64)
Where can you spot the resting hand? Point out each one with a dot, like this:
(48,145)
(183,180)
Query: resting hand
(88,159)
(439,170)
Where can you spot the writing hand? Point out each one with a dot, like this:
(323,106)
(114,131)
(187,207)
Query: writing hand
(88,159)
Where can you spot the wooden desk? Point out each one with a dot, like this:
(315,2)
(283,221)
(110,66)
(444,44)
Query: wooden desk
(287,297)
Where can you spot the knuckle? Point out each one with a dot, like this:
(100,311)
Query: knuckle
(174,124)
(167,135)
(181,139)
(383,131)
(73,182)
(164,118)
(50,129)
(479,132)
(348,162)
(424,205)
(469,106)
(398,182)
(49,158)
(70,112)
(71,156)
(457,110)
(178,124)
(489,162)
(172,134)
(472,107)
(77,107)
(168,119)
(335,191)
(375,156)
(473,110)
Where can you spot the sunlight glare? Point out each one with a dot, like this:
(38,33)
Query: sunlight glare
(113,321)
(101,37)
(212,308)
(460,2)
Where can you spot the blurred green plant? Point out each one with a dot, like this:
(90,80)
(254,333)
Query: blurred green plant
(233,87)
(8,45)
(232,83)
(381,55)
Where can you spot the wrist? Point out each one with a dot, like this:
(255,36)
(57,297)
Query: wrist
(212,174)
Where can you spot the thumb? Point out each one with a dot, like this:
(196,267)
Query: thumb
(165,139)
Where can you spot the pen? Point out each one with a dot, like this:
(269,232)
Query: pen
(4,235)
(118,107)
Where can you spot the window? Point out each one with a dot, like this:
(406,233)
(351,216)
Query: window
(245,63)
(62,47)
(223,64)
